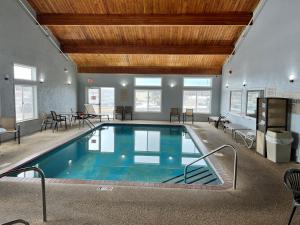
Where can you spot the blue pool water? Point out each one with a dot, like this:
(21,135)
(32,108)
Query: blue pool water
(134,153)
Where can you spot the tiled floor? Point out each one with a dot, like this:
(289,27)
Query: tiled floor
(261,197)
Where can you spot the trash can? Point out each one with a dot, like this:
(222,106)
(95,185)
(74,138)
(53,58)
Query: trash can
(279,144)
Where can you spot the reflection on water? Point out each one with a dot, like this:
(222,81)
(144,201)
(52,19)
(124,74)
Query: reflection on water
(123,152)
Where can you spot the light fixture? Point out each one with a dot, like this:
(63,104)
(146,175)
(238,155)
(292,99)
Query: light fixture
(69,82)
(124,84)
(227,85)
(66,70)
(244,84)
(42,80)
(6,77)
(292,78)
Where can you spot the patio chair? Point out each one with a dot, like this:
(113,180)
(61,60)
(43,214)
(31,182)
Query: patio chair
(90,111)
(74,116)
(292,182)
(9,126)
(175,113)
(188,113)
(57,119)
(119,111)
(46,120)
(128,110)
(248,137)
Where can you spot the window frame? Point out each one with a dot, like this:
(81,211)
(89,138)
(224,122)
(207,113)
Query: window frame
(33,72)
(148,86)
(194,109)
(233,112)
(148,89)
(35,102)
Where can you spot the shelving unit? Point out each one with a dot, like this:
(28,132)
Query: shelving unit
(272,113)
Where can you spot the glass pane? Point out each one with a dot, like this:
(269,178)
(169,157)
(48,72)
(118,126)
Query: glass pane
(197,82)
(141,100)
(203,101)
(28,103)
(107,101)
(147,81)
(251,102)
(236,101)
(153,141)
(154,101)
(189,100)
(140,141)
(19,103)
(94,141)
(94,98)
(24,72)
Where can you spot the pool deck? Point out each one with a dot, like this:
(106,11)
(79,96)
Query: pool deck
(260,198)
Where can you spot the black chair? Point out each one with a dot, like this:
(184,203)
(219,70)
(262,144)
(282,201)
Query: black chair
(188,113)
(128,110)
(292,182)
(57,119)
(119,111)
(175,113)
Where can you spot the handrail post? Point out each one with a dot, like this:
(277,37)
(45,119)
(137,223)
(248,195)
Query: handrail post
(42,176)
(212,152)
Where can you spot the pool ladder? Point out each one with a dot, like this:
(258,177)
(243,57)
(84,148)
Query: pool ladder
(213,152)
(42,175)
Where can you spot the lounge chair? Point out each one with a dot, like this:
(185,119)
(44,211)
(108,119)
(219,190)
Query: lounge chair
(58,119)
(248,137)
(46,120)
(217,120)
(292,182)
(175,113)
(188,113)
(9,126)
(233,127)
(128,110)
(90,111)
(119,111)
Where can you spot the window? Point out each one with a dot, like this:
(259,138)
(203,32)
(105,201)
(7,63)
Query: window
(236,101)
(199,101)
(148,81)
(102,99)
(26,102)
(197,82)
(22,72)
(252,96)
(147,100)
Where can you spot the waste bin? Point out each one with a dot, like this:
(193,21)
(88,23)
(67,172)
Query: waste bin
(279,144)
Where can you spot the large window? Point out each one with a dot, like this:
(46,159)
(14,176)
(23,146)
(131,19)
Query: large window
(198,100)
(236,102)
(197,82)
(148,81)
(26,102)
(147,101)
(102,99)
(22,72)
(252,96)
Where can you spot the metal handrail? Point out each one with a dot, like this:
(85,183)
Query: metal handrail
(16,222)
(42,175)
(212,152)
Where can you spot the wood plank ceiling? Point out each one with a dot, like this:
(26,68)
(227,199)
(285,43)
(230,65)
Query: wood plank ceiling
(146,36)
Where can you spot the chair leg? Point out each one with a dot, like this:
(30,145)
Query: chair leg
(292,215)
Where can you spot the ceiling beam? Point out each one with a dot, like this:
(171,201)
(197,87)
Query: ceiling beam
(237,18)
(149,70)
(163,50)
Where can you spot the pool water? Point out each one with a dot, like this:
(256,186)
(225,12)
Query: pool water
(132,153)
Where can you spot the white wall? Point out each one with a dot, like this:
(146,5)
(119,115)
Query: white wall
(21,41)
(171,97)
(266,58)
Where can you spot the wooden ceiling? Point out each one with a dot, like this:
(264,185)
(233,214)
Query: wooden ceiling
(146,36)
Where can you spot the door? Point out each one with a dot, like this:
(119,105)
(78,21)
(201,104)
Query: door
(102,99)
